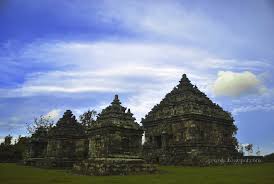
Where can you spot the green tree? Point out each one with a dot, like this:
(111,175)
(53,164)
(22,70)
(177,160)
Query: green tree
(249,148)
(13,152)
(43,122)
(234,139)
(241,149)
(8,140)
(87,118)
(258,152)
(20,147)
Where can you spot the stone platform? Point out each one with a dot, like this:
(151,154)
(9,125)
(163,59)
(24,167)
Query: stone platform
(61,163)
(113,166)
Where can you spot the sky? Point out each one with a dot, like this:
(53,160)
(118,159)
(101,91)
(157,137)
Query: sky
(72,54)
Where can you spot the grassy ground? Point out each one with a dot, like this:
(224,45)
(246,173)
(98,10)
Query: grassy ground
(260,173)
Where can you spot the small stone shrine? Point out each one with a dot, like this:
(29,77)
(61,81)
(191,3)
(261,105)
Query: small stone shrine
(187,128)
(66,142)
(114,144)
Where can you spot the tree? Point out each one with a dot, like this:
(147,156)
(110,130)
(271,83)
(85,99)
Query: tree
(249,148)
(241,149)
(43,122)
(234,139)
(258,152)
(13,152)
(87,118)
(7,141)
(21,147)
(269,158)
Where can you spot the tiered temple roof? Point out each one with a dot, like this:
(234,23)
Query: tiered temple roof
(186,99)
(67,126)
(115,115)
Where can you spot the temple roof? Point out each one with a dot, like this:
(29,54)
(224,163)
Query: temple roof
(67,126)
(116,115)
(184,99)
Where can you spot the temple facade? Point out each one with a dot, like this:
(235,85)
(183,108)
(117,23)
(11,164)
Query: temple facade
(186,127)
(114,144)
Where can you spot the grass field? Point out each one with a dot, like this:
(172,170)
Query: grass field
(260,173)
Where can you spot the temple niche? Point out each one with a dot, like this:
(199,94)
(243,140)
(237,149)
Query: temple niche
(187,128)
(114,144)
(66,142)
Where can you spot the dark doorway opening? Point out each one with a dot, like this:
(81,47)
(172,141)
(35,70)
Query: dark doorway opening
(157,160)
(125,144)
(158,140)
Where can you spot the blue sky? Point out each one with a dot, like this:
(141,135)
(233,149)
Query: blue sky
(58,55)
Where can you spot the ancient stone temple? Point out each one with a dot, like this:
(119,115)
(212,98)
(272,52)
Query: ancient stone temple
(61,146)
(114,144)
(186,127)
(66,142)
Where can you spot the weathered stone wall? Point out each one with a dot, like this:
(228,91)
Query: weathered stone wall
(37,149)
(113,166)
(112,142)
(67,148)
(192,154)
(182,141)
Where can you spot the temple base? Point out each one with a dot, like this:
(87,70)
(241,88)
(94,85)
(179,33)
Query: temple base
(199,155)
(62,163)
(113,166)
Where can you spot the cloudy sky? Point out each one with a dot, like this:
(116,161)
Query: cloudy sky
(72,54)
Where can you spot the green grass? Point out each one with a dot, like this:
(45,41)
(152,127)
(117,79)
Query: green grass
(260,173)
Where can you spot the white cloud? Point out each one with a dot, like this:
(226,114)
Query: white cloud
(144,72)
(141,103)
(116,67)
(92,69)
(54,114)
(166,20)
(12,123)
(234,84)
(255,107)
(251,103)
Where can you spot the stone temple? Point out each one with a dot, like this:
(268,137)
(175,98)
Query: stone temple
(186,127)
(115,144)
(61,147)
(66,142)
